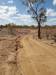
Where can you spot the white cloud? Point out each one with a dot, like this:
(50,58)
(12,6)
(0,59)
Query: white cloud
(11,14)
(7,11)
(11,11)
(10,1)
(24,16)
(51,12)
(54,2)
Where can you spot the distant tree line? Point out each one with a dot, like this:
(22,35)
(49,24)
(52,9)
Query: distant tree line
(17,26)
(25,26)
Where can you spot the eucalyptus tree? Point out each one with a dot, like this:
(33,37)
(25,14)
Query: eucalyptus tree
(38,12)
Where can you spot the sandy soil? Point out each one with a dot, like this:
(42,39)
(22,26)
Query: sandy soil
(27,57)
(8,55)
(37,58)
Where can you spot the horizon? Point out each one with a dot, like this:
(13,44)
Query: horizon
(13,24)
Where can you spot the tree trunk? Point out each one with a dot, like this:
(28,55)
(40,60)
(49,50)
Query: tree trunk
(39,33)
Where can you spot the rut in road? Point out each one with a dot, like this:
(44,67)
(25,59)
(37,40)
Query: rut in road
(12,66)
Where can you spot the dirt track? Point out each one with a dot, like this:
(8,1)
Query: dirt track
(35,58)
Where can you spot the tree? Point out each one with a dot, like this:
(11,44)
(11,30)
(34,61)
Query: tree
(38,12)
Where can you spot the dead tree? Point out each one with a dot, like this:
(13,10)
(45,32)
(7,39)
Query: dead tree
(37,11)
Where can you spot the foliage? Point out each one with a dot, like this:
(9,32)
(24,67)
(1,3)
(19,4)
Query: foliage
(37,11)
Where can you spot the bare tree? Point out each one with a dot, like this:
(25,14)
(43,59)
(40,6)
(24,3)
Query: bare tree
(38,12)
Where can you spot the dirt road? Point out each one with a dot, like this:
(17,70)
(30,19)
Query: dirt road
(27,57)
(36,58)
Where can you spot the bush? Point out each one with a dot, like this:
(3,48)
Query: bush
(55,37)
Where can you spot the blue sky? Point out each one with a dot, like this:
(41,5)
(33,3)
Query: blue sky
(13,11)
